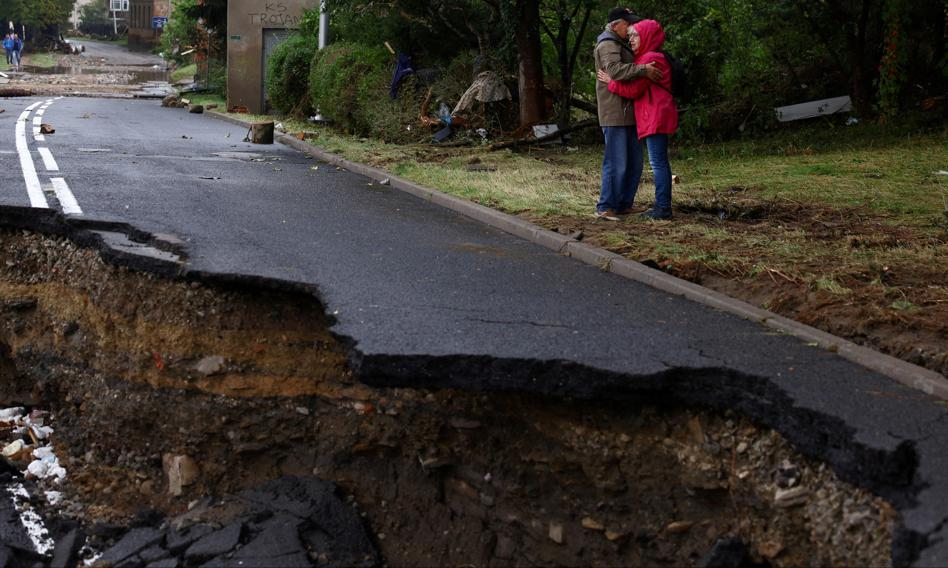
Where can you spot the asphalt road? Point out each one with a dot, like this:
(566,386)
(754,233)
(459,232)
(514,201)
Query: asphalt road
(115,54)
(428,297)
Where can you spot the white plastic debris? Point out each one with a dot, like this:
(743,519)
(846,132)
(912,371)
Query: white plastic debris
(43,453)
(13,448)
(41,432)
(14,413)
(811,109)
(38,469)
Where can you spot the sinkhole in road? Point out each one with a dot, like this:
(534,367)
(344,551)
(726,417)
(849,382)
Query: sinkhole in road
(246,384)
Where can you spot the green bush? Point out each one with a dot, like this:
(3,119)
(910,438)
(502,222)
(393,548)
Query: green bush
(288,75)
(349,84)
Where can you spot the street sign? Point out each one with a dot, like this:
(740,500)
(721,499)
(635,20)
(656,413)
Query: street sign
(159,22)
(119,6)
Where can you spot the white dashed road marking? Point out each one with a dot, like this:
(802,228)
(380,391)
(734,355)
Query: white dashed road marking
(34,188)
(48,160)
(65,197)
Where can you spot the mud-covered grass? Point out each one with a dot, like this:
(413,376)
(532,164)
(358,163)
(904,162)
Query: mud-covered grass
(843,228)
(41,59)
(441,477)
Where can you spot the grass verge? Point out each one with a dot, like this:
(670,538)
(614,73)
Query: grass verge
(186,72)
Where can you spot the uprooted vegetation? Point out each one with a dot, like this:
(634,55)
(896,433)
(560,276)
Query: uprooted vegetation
(250,385)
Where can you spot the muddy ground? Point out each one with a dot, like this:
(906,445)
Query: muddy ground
(248,383)
(75,75)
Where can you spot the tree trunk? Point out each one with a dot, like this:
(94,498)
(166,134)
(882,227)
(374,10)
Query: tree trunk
(865,50)
(532,103)
(566,71)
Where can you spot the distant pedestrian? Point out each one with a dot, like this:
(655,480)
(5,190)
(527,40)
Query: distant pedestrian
(17,51)
(622,159)
(8,48)
(656,116)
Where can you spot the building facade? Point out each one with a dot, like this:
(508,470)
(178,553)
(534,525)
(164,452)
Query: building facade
(146,20)
(254,29)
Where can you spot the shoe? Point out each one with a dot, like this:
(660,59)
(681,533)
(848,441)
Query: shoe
(657,214)
(608,215)
(631,210)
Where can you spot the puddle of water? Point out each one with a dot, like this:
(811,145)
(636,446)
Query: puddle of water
(142,75)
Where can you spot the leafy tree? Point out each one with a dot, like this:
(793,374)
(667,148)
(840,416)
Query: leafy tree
(95,14)
(508,30)
(194,23)
(39,16)
(743,57)
(565,23)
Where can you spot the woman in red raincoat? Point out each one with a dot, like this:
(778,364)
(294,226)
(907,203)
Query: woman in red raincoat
(656,117)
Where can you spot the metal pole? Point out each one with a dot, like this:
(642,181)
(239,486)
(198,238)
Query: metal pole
(323,25)
(207,62)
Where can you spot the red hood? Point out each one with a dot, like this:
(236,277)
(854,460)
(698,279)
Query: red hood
(651,36)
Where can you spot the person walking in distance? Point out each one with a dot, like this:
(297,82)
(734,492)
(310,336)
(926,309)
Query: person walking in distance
(656,116)
(8,48)
(17,51)
(622,158)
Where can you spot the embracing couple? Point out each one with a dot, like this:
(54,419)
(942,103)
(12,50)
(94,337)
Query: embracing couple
(635,102)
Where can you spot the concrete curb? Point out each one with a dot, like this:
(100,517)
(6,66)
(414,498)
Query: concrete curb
(913,376)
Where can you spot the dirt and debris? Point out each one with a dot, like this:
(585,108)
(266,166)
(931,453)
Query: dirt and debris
(170,392)
(78,74)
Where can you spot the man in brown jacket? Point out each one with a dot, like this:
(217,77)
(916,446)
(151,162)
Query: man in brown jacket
(622,160)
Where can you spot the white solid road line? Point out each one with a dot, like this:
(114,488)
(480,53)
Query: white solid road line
(33,187)
(65,197)
(48,160)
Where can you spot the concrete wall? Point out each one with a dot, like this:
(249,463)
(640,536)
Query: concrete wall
(246,22)
(140,33)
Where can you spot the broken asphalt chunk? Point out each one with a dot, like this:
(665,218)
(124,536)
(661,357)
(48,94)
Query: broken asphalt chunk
(134,541)
(216,543)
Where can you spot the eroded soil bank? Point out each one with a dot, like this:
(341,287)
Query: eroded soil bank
(250,385)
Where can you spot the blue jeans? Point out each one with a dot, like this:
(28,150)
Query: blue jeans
(658,158)
(621,168)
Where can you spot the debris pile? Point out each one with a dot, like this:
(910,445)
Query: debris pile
(174,101)
(29,448)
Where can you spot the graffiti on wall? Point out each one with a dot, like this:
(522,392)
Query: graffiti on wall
(275,14)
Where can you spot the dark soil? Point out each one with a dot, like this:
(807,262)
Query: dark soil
(441,477)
